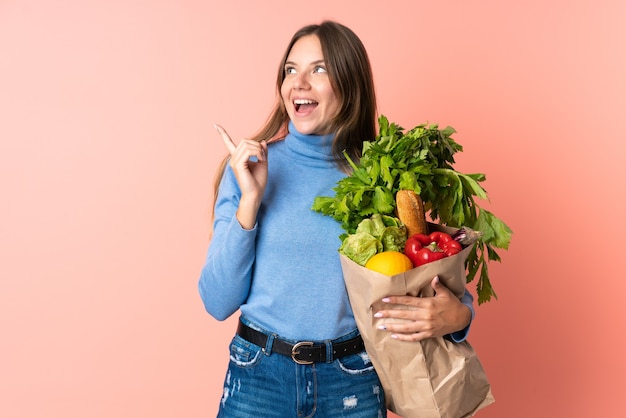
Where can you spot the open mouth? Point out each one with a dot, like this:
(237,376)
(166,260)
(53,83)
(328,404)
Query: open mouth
(304,105)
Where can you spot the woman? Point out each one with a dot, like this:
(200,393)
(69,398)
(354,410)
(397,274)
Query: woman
(297,351)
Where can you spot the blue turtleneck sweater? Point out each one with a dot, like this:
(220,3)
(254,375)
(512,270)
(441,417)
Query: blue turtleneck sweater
(284,274)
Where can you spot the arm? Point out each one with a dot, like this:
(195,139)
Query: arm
(226,276)
(227,272)
(438,316)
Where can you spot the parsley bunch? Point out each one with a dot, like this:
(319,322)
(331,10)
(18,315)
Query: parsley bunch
(420,159)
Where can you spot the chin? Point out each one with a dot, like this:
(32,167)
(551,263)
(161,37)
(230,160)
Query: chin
(309,129)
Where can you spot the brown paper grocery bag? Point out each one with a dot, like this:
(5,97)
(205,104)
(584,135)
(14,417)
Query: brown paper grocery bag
(432,378)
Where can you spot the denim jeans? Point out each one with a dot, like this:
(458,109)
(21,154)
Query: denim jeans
(262,384)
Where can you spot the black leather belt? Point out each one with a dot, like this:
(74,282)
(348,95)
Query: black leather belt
(303,352)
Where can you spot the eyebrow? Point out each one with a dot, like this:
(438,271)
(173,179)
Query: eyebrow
(317,62)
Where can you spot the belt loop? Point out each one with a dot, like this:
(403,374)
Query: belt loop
(269,343)
(329,351)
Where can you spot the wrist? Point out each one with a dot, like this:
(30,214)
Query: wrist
(247,211)
(465,317)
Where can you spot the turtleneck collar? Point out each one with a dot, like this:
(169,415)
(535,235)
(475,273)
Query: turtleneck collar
(316,147)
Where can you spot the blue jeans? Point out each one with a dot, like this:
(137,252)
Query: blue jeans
(261,384)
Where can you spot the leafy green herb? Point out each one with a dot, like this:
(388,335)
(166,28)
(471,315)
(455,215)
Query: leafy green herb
(420,159)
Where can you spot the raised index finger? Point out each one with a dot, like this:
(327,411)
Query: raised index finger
(226,138)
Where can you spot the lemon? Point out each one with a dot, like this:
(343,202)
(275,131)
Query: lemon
(389,263)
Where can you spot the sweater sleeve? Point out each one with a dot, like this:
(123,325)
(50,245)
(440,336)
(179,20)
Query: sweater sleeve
(460,336)
(227,272)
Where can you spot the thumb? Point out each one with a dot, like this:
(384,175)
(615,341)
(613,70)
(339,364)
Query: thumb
(438,287)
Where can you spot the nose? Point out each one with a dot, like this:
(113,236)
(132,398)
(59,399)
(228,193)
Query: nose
(301,81)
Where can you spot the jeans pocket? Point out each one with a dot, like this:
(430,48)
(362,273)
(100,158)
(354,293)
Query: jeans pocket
(243,353)
(356,364)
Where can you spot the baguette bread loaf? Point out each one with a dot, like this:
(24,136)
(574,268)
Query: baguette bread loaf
(410,210)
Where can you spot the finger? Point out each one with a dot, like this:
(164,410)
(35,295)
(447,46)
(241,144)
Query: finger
(436,284)
(396,313)
(410,329)
(412,337)
(226,138)
(439,288)
(413,331)
(408,300)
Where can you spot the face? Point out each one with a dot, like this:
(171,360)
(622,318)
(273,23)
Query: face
(306,91)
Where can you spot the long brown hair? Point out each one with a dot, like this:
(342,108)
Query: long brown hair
(350,75)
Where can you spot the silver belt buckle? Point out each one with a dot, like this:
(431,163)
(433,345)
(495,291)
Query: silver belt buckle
(295,352)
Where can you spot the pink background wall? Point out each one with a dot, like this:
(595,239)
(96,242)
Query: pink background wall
(107,157)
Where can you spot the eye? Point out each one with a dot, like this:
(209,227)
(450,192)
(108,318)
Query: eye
(290,70)
(319,69)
